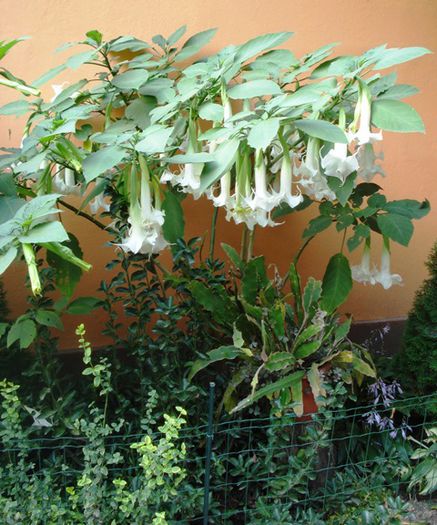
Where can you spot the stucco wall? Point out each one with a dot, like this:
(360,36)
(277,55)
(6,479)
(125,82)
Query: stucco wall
(410,160)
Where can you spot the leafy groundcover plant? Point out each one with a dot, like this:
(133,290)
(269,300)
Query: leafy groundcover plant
(260,133)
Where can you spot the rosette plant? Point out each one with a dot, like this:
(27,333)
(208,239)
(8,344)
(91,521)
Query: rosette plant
(258,131)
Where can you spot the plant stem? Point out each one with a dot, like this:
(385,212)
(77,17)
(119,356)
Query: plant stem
(250,243)
(243,249)
(213,229)
(301,249)
(83,214)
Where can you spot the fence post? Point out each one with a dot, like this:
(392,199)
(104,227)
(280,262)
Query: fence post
(209,437)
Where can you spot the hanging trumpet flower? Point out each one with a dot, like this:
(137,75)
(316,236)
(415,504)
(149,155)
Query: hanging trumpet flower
(363,114)
(384,277)
(363,273)
(145,215)
(337,162)
(64,181)
(311,178)
(285,193)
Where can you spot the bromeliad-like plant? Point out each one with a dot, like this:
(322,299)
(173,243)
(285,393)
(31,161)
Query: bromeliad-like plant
(256,130)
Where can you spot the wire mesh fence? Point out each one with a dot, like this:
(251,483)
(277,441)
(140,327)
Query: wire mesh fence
(239,470)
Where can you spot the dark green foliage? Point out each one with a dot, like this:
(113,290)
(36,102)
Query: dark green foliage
(416,365)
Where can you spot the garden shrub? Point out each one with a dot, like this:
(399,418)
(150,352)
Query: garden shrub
(416,364)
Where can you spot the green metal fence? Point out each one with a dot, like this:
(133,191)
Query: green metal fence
(246,468)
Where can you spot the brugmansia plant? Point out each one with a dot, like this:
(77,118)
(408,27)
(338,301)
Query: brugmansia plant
(258,131)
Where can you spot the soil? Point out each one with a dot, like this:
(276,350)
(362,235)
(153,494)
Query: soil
(423,513)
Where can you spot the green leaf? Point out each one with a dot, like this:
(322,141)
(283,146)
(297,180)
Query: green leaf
(24,331)
(399,91)
(279,361)
(191,158)
(49,318)
(154,139)
(176,35)
(18,108)
(321,130)
(100,161)
(254,279)
(315,382)
(259,44)
(268,390)
(306,334)
(67,274)
(7,258)
(284,209)
(317,225)
(225,156)
(393,56)
(174,223)
(95,36)
(409,208)
(337,283)
(297,397)
(394,115)
(362,367)
(254,88)
(211,111)
(83,305)
(311,294)
(78,60)
(195,43)
(218,354)
(52,231)
(216,300)
(262,133)
(48,75)
(129,80)
(233,255)
(307,349)
(395,226)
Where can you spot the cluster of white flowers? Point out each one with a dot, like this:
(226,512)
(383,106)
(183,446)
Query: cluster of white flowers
(365,274)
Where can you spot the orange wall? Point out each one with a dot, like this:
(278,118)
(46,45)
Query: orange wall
(410,160)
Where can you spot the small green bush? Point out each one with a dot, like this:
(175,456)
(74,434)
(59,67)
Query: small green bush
(416,364)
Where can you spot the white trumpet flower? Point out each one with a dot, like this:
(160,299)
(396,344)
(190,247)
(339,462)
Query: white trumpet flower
(145,233)
(224,197)
(384,277)
(98,203)
(364,135)
(362,273)
(64,182)
(262,199)
(337,162)
(250,217)
(367,166)
(311,178)
(286,185)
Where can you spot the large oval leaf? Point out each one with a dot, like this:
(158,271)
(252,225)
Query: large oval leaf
(337,283)
(394,115)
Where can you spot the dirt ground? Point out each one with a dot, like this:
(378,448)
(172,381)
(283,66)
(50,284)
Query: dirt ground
(423,513)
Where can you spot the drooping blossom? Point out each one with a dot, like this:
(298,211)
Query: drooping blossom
(285,193)
(363,112)
(262,198)
(64,181)
(145,233)
(384,277)
(311,179)
(99,203)
(337,162)
(367,166)
(363,273)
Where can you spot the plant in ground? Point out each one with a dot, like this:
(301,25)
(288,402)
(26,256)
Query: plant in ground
(416,363)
